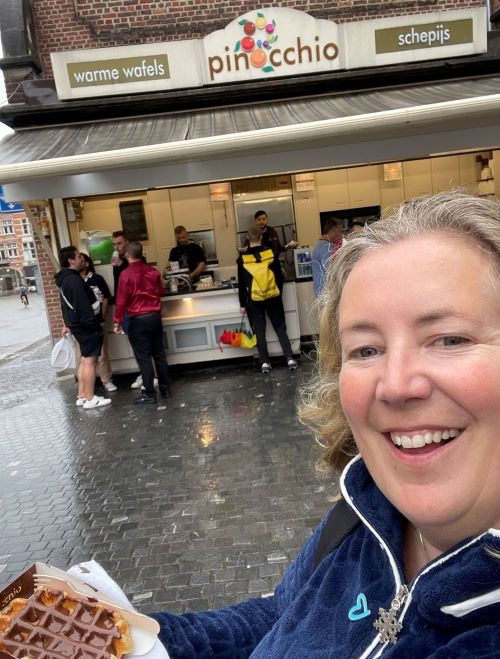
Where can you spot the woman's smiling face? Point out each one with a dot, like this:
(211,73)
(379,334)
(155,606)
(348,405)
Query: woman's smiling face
(420,379)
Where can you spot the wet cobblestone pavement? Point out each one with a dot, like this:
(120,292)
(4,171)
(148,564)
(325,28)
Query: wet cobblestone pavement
(196,504)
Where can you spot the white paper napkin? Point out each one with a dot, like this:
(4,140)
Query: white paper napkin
(96,576)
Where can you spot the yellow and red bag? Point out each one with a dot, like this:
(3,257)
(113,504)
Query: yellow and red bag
(239,339)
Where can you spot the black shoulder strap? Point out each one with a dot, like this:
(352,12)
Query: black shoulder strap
(342,521)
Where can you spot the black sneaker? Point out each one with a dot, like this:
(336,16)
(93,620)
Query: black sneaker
(166,393)
(144,399)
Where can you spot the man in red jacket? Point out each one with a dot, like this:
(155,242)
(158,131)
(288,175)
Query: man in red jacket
(139,291)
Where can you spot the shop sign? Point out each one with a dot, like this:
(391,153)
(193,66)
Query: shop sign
(267,43)
(127,69)
(8,206)
(272,42)
(428,35)
(123,70)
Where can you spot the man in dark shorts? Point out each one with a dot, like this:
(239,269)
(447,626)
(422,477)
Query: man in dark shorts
(80,309)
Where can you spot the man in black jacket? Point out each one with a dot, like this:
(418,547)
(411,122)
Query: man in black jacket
(80,309)
(260,294)
(269,236)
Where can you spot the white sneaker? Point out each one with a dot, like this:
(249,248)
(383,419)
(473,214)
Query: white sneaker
(80,402)
(110,386)
(155,384)
(97,401)
(265,368)
(137,383)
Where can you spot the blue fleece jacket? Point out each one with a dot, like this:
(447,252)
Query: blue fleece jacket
(451,608)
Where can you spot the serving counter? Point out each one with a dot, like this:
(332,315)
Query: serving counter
(193,322)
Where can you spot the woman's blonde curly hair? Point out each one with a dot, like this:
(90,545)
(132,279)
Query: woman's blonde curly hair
(476,220)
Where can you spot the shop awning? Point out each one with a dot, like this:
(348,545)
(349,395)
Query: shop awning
(232,142)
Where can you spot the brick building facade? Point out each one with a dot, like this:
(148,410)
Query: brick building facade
(18,258)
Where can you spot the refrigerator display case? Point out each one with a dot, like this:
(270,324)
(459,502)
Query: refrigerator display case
(303,263)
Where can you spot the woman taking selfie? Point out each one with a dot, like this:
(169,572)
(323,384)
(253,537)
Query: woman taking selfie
(407,395)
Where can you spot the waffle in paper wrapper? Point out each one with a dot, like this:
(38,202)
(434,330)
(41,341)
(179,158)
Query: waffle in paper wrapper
(53,625)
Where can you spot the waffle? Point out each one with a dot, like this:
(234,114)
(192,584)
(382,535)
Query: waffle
(53,625)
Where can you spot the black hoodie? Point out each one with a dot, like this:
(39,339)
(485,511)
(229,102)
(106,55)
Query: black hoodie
(81,297)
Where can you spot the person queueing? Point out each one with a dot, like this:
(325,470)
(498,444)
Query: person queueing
(139,291)
(323,253)
(356,227)
(23,294)
(119,259)
(120,263)
(80,311)
(257,299)
(188,254)
(407,403)
(101,290)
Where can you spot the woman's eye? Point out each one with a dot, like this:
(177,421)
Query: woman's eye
(451,340)
(364,353)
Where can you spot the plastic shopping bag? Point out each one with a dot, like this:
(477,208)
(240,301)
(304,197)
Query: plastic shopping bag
(248,340)
(239,339)
(230,338)
(64,354)
(236,340)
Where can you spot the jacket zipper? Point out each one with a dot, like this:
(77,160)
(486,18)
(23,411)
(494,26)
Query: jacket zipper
(389,620)
(388,623)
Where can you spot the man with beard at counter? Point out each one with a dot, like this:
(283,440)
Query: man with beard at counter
(269,236)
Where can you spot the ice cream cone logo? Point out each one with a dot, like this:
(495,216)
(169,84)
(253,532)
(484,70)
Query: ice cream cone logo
(259,37)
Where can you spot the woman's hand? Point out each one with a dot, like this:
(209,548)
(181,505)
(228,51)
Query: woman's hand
(65,330)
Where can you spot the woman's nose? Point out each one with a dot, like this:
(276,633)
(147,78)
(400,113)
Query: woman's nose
(402,378)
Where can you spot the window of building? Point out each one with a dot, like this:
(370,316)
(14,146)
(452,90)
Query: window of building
(11,250)
(7,227)
(26,226)
(3,252)
(29,250)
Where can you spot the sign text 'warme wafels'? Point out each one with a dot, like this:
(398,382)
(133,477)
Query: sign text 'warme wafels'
(267,43)
(122,70)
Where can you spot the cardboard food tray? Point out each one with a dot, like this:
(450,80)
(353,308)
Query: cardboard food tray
(213,287)
(23,586)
